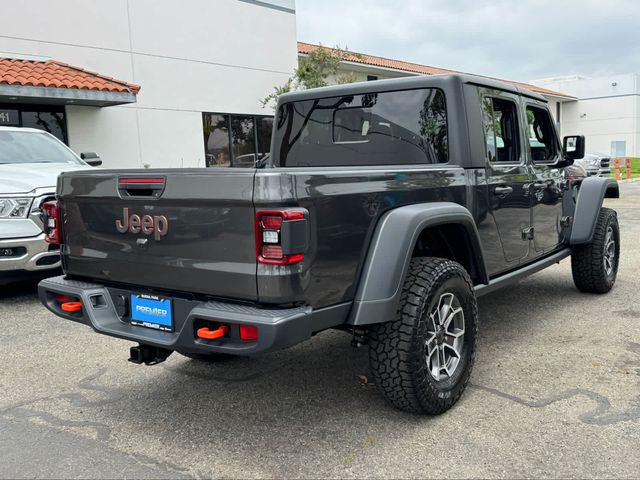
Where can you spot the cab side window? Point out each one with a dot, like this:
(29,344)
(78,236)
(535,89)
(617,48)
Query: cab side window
(542,139)
(500,117)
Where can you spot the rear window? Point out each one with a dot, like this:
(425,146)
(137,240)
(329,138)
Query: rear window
(403,127)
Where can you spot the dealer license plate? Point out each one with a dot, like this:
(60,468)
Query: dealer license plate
(151,312)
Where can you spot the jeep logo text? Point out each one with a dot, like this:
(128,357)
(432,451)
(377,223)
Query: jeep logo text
(156,225)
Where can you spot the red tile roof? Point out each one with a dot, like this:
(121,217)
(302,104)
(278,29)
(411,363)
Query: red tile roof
(55,74)
(305,48)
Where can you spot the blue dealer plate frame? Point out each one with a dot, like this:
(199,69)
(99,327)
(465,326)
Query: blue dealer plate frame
(151,312)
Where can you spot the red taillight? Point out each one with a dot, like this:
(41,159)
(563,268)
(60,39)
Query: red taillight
(248,333)
(272,251)
(271,222)
(269,241)
(51,222)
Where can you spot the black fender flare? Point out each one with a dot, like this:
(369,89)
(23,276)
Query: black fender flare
(387,260)
(591,193)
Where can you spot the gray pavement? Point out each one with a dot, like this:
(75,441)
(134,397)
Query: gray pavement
(555,393)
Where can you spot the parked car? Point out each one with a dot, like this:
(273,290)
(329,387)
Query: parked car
(596,164)
(30,162)
(380,211)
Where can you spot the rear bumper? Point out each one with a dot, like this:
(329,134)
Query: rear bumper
(277,328)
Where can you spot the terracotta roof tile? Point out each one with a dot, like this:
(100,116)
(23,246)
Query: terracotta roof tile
(305,48)
(55,74)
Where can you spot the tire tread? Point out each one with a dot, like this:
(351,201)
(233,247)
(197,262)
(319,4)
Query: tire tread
(587,261)
(394,353)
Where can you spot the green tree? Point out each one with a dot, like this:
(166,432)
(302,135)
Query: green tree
(314,71)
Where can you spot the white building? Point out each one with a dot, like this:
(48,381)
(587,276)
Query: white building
(191,59)
(607,111)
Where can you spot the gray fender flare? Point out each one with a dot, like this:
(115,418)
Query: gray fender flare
(387,261)
(588,204)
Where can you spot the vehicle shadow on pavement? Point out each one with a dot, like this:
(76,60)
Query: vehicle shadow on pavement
(319,395)
(19,290)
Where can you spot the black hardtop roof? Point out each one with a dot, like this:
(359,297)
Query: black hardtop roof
(405,83)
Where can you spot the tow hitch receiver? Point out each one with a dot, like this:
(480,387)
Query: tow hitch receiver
(148,355)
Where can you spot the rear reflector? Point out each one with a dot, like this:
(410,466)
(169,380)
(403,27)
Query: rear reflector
(248,333)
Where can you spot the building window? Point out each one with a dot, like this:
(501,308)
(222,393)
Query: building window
(265,127)
(50,118)
(371,78)
(619,148)
(235,140)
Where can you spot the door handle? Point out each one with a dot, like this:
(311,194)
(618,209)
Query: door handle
(503,190)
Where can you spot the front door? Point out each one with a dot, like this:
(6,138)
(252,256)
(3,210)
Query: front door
(546,189)
(508,177)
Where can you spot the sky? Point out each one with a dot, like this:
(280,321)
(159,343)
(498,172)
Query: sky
(516,40)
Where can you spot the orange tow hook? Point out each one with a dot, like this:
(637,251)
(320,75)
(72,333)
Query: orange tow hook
(213,334)
(71,306)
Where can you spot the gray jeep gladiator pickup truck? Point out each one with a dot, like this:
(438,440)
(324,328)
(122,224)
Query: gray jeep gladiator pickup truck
(385,209)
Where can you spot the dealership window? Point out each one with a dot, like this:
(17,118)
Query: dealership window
(49,118)
(235,140)
(618,148)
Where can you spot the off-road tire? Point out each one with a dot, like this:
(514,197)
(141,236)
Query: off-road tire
(588,261)
(397,348)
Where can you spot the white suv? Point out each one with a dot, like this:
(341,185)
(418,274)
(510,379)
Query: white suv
(30,162)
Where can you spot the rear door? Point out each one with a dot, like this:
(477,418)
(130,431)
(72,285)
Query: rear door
(508,179)
(544,149)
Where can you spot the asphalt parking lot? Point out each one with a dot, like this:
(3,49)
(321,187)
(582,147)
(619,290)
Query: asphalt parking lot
(555,393)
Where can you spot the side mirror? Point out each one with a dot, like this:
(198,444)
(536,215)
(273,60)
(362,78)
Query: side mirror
(573,147)
(91,158)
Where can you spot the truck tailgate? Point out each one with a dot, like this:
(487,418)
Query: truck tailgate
(182,230)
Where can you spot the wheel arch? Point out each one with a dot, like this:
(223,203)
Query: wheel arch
(592,192)
(406,232)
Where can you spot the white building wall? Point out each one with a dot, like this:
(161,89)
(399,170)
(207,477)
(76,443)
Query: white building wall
(189,56)
(607,110)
